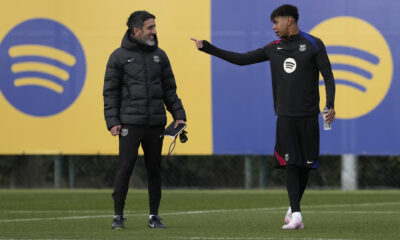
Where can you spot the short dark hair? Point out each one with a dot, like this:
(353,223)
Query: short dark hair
(286,11)
(137,19)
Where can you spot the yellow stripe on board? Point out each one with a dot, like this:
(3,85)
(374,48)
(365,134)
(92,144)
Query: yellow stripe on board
(19,82)
(353,61)
(40,67)
(350,76)
(42,51)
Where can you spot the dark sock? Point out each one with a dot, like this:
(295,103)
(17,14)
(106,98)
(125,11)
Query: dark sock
(304,172)
(293,187)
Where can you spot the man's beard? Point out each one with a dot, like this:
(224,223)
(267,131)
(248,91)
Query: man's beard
(150,42)
(147,40)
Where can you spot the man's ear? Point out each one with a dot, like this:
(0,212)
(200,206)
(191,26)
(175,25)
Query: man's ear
(290,21)
(136,31)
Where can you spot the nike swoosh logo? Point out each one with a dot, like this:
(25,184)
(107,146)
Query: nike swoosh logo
(151,225)
(309,162)
(130,60)
(279,48)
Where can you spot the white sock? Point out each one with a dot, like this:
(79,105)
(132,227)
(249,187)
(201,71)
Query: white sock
(297,216)
(289,211)
(150,216)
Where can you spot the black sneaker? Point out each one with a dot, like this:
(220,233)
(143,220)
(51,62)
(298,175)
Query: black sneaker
(155,222)
(118,222)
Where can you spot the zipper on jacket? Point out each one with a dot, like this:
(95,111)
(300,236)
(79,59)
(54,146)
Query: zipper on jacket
(147,88)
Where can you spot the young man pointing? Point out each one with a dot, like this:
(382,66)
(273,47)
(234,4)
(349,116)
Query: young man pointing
(296,60)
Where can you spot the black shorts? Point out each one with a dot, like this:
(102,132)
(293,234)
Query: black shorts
(297,141)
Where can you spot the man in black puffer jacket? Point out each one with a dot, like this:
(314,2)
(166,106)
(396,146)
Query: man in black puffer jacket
(138,82)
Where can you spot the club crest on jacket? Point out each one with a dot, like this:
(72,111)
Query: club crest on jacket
(124,132)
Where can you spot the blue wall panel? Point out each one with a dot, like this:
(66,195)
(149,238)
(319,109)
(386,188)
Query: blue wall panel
(243,115)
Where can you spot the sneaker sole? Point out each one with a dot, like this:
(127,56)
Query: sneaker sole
(287,221)
(157,227)
(301,227)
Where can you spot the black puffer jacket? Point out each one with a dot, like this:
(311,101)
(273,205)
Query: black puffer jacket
(138,82)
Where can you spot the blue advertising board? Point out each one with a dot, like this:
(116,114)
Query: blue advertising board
(363,43)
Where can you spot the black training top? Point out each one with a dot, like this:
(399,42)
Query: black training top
(295,65)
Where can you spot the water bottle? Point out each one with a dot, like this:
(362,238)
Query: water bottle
(327,126)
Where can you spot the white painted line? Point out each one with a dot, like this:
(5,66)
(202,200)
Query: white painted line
(56,211)
(355,205)
(209,212)
(40,239)
(389,212)
(53,218)
(258,238)
(283,208)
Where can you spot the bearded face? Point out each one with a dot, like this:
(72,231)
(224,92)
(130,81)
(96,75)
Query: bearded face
(147,33)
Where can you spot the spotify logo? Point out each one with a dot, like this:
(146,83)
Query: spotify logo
(361,63)
(42,66)
(289,65)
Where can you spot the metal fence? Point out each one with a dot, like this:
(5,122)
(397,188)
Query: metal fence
(37,171)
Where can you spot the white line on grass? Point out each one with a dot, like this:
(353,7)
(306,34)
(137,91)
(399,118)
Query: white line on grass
(53,218)
(56,211)
(40,239)
(214,211)
(355,205)
(258,238)
(206,238)
(389,212)
(211,238)
(203,211)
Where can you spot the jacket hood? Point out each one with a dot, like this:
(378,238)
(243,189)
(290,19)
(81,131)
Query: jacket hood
(132,43)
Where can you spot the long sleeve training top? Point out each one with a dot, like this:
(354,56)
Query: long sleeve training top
(295,63)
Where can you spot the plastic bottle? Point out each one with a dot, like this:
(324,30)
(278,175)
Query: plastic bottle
(327,126)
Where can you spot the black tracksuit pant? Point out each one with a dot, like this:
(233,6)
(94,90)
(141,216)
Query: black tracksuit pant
(130,138)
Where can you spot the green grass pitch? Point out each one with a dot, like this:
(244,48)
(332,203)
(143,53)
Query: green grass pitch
(200,214)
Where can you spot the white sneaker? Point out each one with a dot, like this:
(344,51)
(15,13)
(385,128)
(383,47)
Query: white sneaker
(296,222)
(288,216)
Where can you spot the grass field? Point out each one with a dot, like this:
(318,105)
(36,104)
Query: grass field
(199,214)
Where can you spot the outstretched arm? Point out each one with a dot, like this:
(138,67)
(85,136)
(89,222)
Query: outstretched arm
(255,56)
